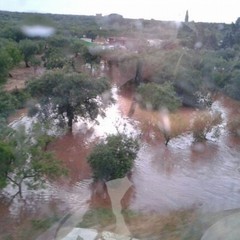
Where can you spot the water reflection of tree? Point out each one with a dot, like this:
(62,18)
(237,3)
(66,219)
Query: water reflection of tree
(163,160)
(28,217)
(203,153)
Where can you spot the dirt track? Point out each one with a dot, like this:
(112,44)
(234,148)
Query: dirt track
(20,75)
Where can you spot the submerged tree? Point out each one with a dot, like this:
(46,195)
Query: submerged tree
(6,159)
(156,96)
(67,96)
(24,159)
(233,87)
(113,158)
(204,123)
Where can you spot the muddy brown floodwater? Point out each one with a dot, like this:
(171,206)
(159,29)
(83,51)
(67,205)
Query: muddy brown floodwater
(171,188)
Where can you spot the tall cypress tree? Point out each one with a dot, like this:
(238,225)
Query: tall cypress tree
(186,16)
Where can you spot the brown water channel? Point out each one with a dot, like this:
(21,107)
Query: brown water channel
(170,185)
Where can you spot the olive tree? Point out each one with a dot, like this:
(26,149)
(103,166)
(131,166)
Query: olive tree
(10,56)
(114,157)
(6,159)
(24,159)
(233,87)
(203,124)
(10,101)
(91,55)
(5,63)
(7,104)
(77,46)
(156,96)
(54,57)
(67,96)
(28,48)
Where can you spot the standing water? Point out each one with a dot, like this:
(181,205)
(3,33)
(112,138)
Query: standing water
(171,187)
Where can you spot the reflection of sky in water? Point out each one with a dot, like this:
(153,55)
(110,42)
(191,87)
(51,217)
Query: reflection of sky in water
(171,178)
(112,123)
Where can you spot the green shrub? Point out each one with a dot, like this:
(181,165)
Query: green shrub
(204,123)
(155,96)
(113,158)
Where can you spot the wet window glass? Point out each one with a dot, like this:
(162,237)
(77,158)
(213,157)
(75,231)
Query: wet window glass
(119,120)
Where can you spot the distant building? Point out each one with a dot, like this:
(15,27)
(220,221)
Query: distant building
(117,40)
(86,39)
(100,40)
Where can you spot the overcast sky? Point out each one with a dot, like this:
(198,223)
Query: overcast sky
(199,10)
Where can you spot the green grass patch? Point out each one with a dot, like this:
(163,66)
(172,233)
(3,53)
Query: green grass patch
(98,217)
(43,224)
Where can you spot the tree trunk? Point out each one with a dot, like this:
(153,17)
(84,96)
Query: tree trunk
(167,137)
(20,189)
(26,64)
(70,123)
(167,141)
(18,184)
(132,107)
(70,117)
(138,76)
(92,69)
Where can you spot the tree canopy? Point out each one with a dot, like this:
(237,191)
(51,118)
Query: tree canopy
(28,48)
(6,159)
(113,158)
(10,56)
(24,159)
(204,123)
(156,96)
(67,96)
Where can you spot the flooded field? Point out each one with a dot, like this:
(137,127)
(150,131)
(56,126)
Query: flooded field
(170,187)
